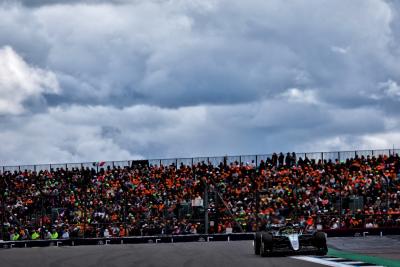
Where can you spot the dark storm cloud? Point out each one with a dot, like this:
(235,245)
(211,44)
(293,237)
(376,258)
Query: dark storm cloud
(125,79)
(39,3)
(209,52)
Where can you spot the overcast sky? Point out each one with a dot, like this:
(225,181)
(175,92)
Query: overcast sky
(112,80)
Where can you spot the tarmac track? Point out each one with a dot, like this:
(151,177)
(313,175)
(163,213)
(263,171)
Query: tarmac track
(385,247)
(232,254)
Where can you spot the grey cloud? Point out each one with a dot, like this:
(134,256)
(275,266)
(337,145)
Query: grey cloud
(79,133)
(22,31)
(39,3)
(225,53)
(110,132)
(22,85)
(202,77)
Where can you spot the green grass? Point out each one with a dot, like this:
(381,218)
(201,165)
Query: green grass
(364,258)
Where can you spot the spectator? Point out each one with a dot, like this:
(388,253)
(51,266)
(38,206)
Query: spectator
(65,234)
(151,199)
(288,159)
(106,233)
(281,159)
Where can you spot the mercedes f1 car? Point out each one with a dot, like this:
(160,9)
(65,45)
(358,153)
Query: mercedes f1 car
(286,238)
(289,239)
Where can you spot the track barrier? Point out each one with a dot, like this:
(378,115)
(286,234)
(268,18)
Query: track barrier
(182,238)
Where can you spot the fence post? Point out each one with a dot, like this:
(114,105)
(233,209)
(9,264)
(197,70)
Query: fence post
(192,162)
(125,220)
(340,205)
(256,161)
(338,156)
(205,208)
(322,157)
(3,208)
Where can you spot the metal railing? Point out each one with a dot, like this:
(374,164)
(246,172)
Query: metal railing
(242,159)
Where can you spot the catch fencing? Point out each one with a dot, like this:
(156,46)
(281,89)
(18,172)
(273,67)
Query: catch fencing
(241,159)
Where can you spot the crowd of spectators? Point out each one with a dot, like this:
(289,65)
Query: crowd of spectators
(149,200)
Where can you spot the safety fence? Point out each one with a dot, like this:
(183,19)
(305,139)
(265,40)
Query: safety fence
(355,232)
(242,159)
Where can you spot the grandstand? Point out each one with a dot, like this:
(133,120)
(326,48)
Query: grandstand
(330,190)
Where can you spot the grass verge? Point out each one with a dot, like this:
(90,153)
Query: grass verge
(364,258)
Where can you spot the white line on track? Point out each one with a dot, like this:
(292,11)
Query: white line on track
(333,259)
(320,261)
(352,262)
(330,261)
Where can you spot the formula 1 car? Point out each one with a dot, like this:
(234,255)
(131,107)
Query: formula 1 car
(289,239)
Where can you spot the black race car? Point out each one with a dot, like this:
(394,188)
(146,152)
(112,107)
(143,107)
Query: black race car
(272,237)
(289,239)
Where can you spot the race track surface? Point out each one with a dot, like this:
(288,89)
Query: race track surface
(385,246)
(232,254)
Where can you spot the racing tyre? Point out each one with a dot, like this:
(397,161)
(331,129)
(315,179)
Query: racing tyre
(257,243)
(266,244)
(320,243)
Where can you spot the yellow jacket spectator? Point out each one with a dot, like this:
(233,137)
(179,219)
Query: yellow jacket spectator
(54,235)
(15,237)
(35,235)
